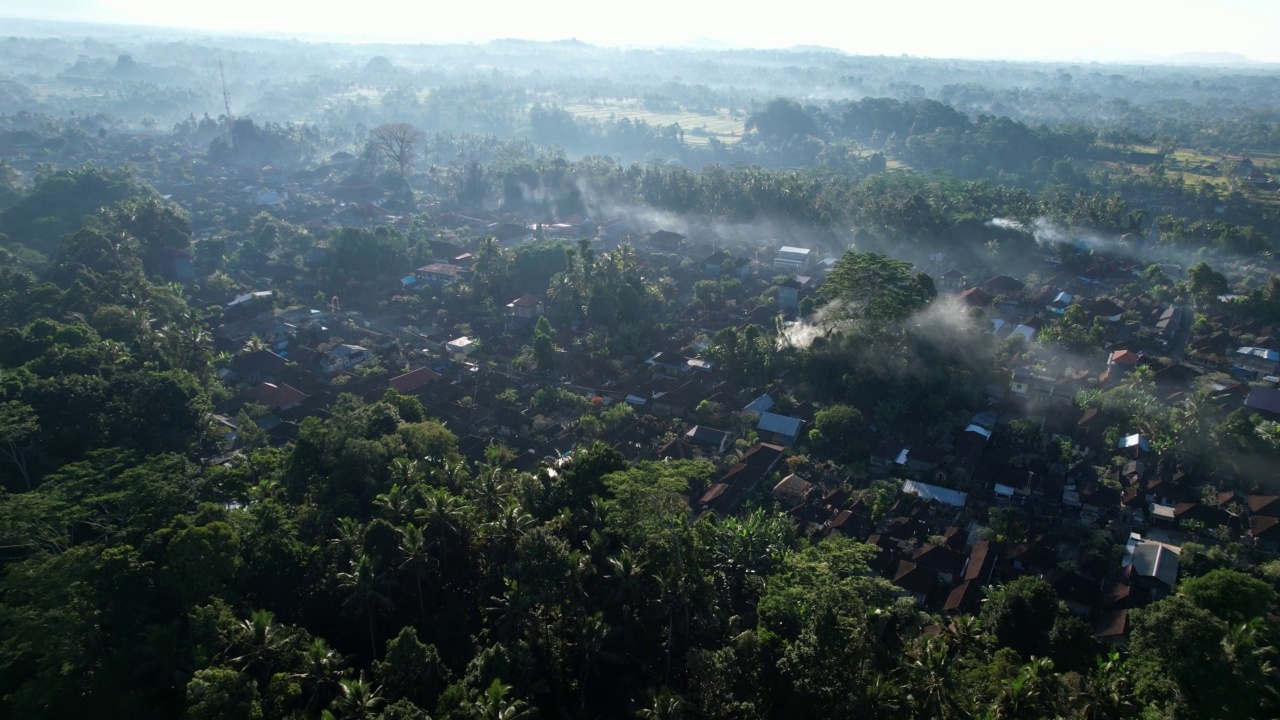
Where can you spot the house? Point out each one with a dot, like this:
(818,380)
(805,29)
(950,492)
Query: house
(1266,505)
(976,297)
(343,357)
(1112,627)
(253,299)
(525,308)
(1170,321)
(784,430)
(1256,362)
(254,367)
(764,403)
(1003,285)
(1265,533)
(711,438)
(1134,446)
(461,346)
(1060,303)
(1124,358)
(792,259)
(947,562)
(916,580)
(413,380)
(928,492)
(507,233)
(951,281)
(792,490)
(790,292)
(669,361)
(1105,308)
(1264,401)
(666,241)
(1150,565)
(277,397)
(964,599)
(440,274)
(720,263)
(1032,557)
(677,449)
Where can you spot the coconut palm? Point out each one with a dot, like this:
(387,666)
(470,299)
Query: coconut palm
(357,699)
(414,559)
(493,704)
(363,588)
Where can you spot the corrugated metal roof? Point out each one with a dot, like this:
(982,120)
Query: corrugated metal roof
(933,492)
(781,424)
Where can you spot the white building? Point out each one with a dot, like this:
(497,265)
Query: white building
(793,260)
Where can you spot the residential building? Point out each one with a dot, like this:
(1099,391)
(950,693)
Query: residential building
(440,274)
(780,428)
(792,259)
(525,308)
(343,357)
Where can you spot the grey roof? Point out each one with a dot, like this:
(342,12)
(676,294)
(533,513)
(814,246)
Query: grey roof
(781,424)
(706,435)
(760,404)
(1152,559)
(1264,399)
(943,495)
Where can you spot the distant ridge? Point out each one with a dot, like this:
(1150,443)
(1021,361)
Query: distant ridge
(1206,57)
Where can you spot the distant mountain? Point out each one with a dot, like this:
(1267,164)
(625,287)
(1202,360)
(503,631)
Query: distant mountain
(815,49)
(1209,58)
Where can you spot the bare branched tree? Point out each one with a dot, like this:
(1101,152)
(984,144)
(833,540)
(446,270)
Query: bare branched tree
(398,142)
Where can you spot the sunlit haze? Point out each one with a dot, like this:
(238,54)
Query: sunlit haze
(1137,30)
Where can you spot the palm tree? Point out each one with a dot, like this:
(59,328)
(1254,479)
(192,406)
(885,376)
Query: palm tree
(1108,691)
(932,688)
(347,543)
(322,673)
(364,597)
(262,638)
(357,699)
(665,705)
(414,556)
(442,516)
(493,704)
(395,505)
(593,632)
(505,530)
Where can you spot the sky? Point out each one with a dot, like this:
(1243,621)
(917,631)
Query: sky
(1080,30)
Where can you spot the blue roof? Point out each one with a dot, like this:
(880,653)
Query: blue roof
(1262,353)
(781,424)
(1134,441)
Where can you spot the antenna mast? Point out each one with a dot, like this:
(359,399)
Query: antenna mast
(226,96)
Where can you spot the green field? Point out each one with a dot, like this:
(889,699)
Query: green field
(698,128)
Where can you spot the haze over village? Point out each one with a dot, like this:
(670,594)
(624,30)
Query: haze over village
(542,363)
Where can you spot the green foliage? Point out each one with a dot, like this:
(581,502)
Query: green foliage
(1230,595)
(221,693)
(841,431)
(1021,614)
(411,670)
(875,288)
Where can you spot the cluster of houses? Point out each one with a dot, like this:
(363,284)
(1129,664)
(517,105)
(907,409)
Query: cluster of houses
(931,542)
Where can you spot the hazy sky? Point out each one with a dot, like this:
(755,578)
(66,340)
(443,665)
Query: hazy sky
(1020,29)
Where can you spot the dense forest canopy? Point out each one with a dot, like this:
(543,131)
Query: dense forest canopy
(548,380)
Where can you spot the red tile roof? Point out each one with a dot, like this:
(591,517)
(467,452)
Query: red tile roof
(413,379)
(277,396)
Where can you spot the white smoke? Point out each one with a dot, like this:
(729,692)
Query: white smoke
(1007,224)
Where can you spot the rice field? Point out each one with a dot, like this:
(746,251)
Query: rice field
(698,128)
